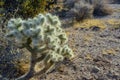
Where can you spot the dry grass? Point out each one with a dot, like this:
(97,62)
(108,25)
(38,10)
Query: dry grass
(114,23)
(88,57)
(23,66)
(88,37)
(39,66)
(89,23)
(117,10)
(102,24)
(109,51)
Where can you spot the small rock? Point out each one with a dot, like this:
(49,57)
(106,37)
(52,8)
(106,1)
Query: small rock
(76,28)
(0,76)
(77,44)
(95,28)
(95,70)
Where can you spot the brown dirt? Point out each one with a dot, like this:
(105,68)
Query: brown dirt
(97,53)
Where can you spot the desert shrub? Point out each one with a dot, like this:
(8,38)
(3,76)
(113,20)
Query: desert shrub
(116,1)
(101,7)
(82,9)
(10,5)
(27,8)
(22,8)
(31,8)
(1,8)
(69,3)
(50,4)
(1,3)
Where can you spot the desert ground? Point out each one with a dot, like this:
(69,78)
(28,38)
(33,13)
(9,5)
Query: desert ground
(97,51)
(96,45)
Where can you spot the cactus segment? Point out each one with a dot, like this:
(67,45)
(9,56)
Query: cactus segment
(45,33)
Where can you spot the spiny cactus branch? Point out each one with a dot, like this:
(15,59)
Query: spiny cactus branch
(41,35)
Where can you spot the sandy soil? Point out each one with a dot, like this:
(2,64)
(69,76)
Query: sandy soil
(97,54)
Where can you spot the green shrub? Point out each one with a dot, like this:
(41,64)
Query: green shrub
(30,8)
(26,8)
(1,3)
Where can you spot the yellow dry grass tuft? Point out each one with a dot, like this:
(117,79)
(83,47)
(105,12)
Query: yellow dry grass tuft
(117,10)
(67,33)
(88,57)
(88,37)
(114,23)
(91,23)
(39,66)
(23,67)
(109,51)
(102,24)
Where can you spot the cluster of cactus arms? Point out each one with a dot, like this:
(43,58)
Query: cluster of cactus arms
(41,35)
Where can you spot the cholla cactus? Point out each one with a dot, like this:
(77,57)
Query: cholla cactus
(41,35)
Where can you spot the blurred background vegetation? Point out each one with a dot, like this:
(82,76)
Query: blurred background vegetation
(77,9)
